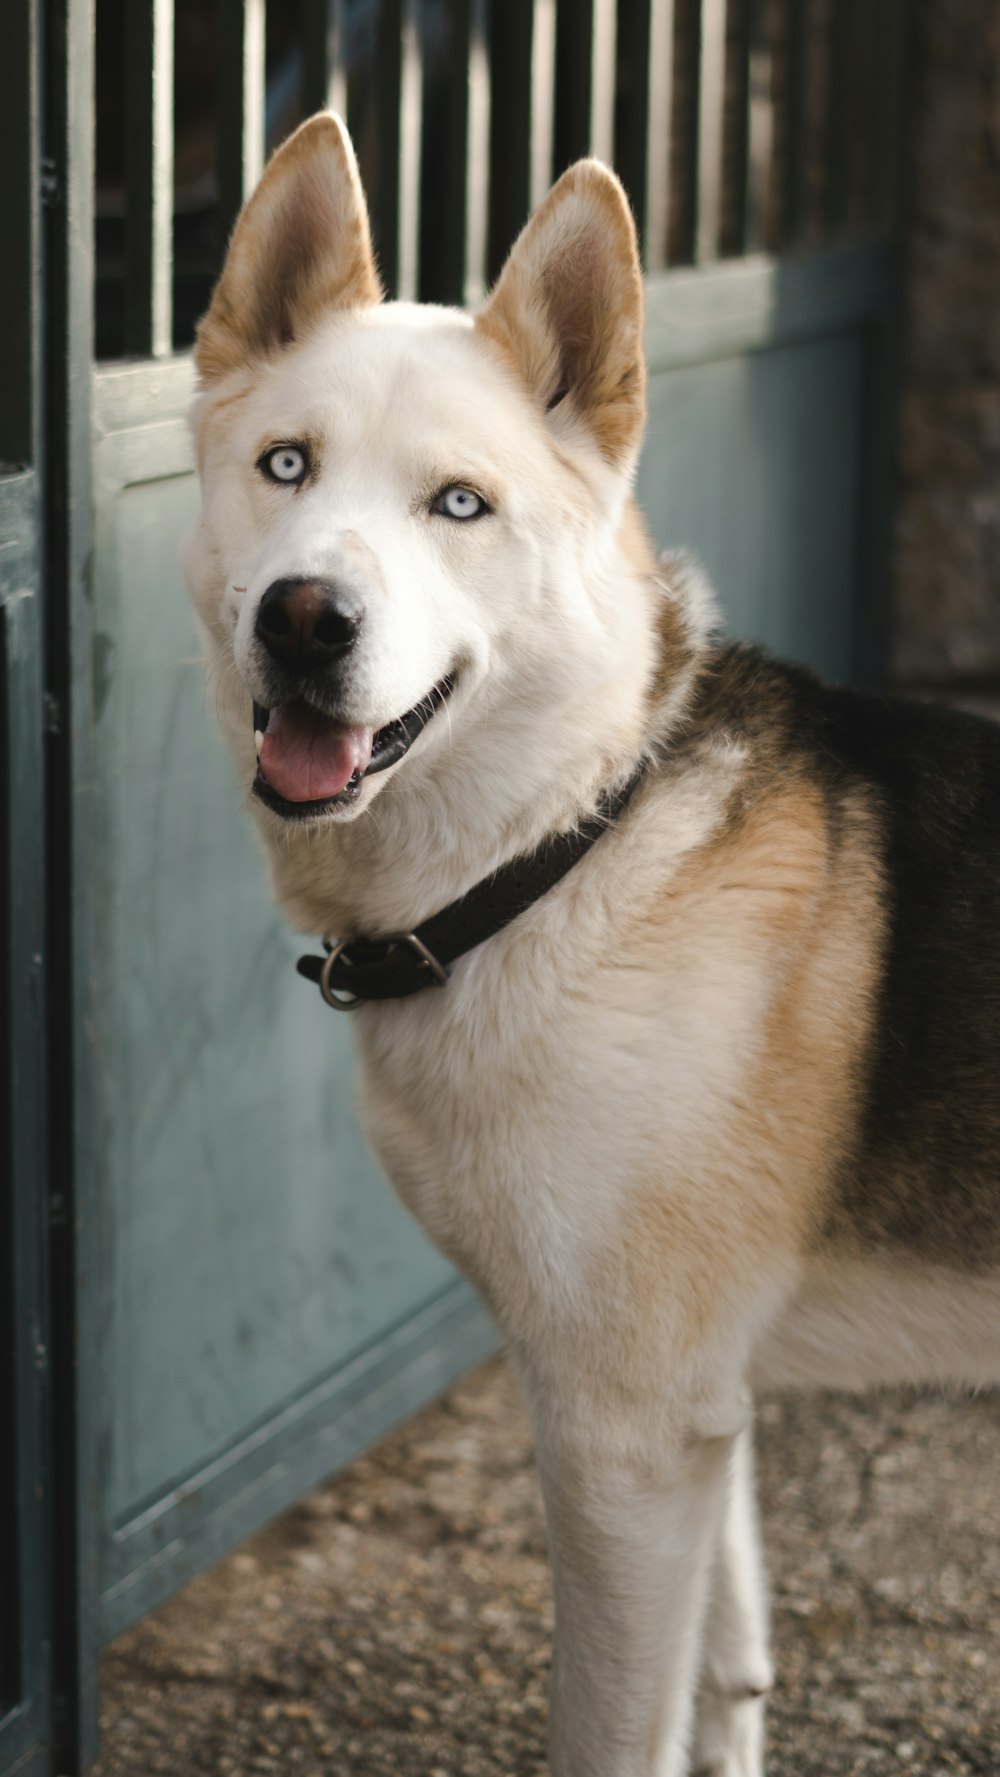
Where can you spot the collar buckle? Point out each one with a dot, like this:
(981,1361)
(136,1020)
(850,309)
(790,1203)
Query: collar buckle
(341,998)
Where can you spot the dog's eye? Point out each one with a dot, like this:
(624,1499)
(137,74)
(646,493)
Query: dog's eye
(285,463)
(459,502)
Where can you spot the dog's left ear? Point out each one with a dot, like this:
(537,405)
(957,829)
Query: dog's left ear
(300,249)
(567,309)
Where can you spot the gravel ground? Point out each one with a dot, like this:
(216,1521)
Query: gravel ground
(397,1622)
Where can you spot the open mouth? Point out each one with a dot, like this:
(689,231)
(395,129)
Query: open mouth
(308,764)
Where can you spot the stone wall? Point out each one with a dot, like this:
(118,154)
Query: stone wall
(946,616)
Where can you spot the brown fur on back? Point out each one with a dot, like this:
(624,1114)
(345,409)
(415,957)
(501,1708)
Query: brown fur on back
(908,994)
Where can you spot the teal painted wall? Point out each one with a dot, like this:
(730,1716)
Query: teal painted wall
(754,464)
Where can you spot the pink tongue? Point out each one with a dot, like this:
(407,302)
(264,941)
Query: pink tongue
(306,757)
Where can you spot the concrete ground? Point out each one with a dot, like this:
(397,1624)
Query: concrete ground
(397,1622)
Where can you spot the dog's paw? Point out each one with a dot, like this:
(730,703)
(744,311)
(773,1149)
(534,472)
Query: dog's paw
(729,1731)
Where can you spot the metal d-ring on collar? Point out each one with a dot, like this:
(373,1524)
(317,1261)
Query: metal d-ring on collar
(342,1000)
(358,969)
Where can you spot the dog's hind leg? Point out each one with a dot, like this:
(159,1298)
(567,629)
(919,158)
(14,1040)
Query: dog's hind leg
(736,1669)
(634,1520)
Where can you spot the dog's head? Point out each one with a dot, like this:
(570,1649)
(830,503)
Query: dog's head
(412,519)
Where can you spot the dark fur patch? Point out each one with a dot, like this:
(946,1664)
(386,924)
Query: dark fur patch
(923,1174)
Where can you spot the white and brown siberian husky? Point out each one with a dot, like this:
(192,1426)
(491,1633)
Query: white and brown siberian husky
(721,1108)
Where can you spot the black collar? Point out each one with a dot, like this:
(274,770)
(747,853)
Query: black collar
(402,963)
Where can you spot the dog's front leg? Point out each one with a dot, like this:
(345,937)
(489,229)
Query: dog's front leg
(634,1510)
(736,1669)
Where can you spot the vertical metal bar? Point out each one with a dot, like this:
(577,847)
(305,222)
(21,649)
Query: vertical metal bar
(324,74)
(660,131)
(410,138)
(76,1420)
(25,1503)
(477,187)
(543,99)
(240,106)
(13,1530)
(602,80)
(149,177)
(759,126)
(711,93)
(25,1577)
(512,78)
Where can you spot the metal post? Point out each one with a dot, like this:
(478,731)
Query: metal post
(25,1571)
(149,178)
(711,95)
(75,1246)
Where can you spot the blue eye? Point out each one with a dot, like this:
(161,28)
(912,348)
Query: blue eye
(285,463)
(459,502)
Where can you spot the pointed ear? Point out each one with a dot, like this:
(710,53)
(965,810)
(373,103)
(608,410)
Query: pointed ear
(301,247)
(567,308)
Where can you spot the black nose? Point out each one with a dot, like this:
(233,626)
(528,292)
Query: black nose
(306,622)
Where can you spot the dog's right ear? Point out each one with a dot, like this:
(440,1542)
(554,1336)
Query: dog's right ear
(301,248)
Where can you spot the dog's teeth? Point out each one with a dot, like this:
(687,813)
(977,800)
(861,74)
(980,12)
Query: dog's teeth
(258,741)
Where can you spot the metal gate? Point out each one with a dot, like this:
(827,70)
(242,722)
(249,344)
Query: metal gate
(208,1299)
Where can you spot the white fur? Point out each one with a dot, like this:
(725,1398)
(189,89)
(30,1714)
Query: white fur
(521,1111)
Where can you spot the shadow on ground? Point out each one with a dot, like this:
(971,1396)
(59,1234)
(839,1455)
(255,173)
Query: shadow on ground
(397,1622)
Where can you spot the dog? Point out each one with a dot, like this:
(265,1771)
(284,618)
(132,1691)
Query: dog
(699,1080)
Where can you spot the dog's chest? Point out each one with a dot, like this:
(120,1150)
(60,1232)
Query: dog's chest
(519,1109)
(488,1117)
